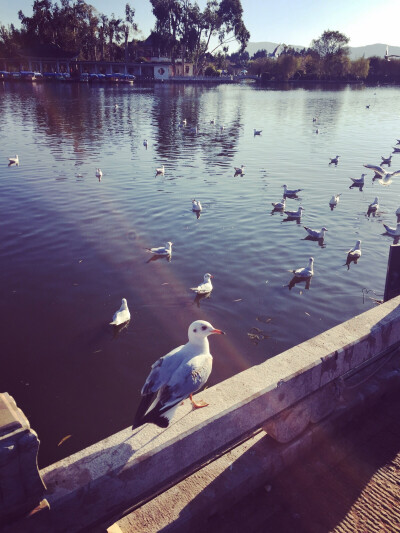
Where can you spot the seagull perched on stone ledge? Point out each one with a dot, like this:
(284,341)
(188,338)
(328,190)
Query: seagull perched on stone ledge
(177,376)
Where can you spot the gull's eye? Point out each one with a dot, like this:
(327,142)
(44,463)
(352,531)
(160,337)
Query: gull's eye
(195,330)
(203,328)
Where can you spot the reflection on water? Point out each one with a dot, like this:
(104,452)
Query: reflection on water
(73,245)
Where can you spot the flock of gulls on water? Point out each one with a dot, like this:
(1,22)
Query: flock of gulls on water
(180,373)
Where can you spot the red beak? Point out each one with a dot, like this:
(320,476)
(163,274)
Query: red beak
(218,331)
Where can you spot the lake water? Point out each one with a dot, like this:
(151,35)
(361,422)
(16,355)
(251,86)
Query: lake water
(72,247)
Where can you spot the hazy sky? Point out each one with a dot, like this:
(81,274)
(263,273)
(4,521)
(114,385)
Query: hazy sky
(285,21)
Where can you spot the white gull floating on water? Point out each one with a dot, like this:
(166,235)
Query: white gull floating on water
(358,181)
(122,315)
(196,205)
(314,233)
(205,287)
(279,206)
(374,206)
(354,254)
(177,376)
(334,200)
(239,171)
(99,173)
(307,271)
(295,214)
(160,170)
(13,160)
(162,250)
(290,192)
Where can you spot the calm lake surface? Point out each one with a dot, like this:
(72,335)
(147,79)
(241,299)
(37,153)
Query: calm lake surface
(72,247)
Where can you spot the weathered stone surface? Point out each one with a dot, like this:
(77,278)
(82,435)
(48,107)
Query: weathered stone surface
(21,487)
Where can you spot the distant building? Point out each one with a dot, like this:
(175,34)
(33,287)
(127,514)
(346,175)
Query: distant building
(152,64)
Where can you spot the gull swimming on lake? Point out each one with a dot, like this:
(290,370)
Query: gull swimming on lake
(205,287)
(279,206)
(374,206)
(358,181)
(239,171)
(99,173)
(353,255)
(316,234)
(177,376)
(196,205)
(257,132)
(162,250)
(145,143)
(295,214)
(290,192)
(13,161)
(122,315)
(307,271)
(334,200)
(335,160)
(160,171)
(382,172)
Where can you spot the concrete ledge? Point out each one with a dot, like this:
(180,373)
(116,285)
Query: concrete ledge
(21,487)
(128,468)
(191,504)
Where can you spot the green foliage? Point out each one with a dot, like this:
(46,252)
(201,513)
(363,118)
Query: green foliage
(259,54)
(359,68)
(73,26)
(211,71)
(186,31)
(331,43)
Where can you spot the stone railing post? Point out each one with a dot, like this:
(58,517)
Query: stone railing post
(21,486)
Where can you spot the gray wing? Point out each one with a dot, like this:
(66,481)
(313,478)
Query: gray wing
(186,380)
(379,170)
(161,371)
(396,173)
(159,251)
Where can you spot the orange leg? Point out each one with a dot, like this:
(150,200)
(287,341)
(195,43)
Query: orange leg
(197,405)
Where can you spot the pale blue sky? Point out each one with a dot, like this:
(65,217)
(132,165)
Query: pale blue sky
(287,21)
